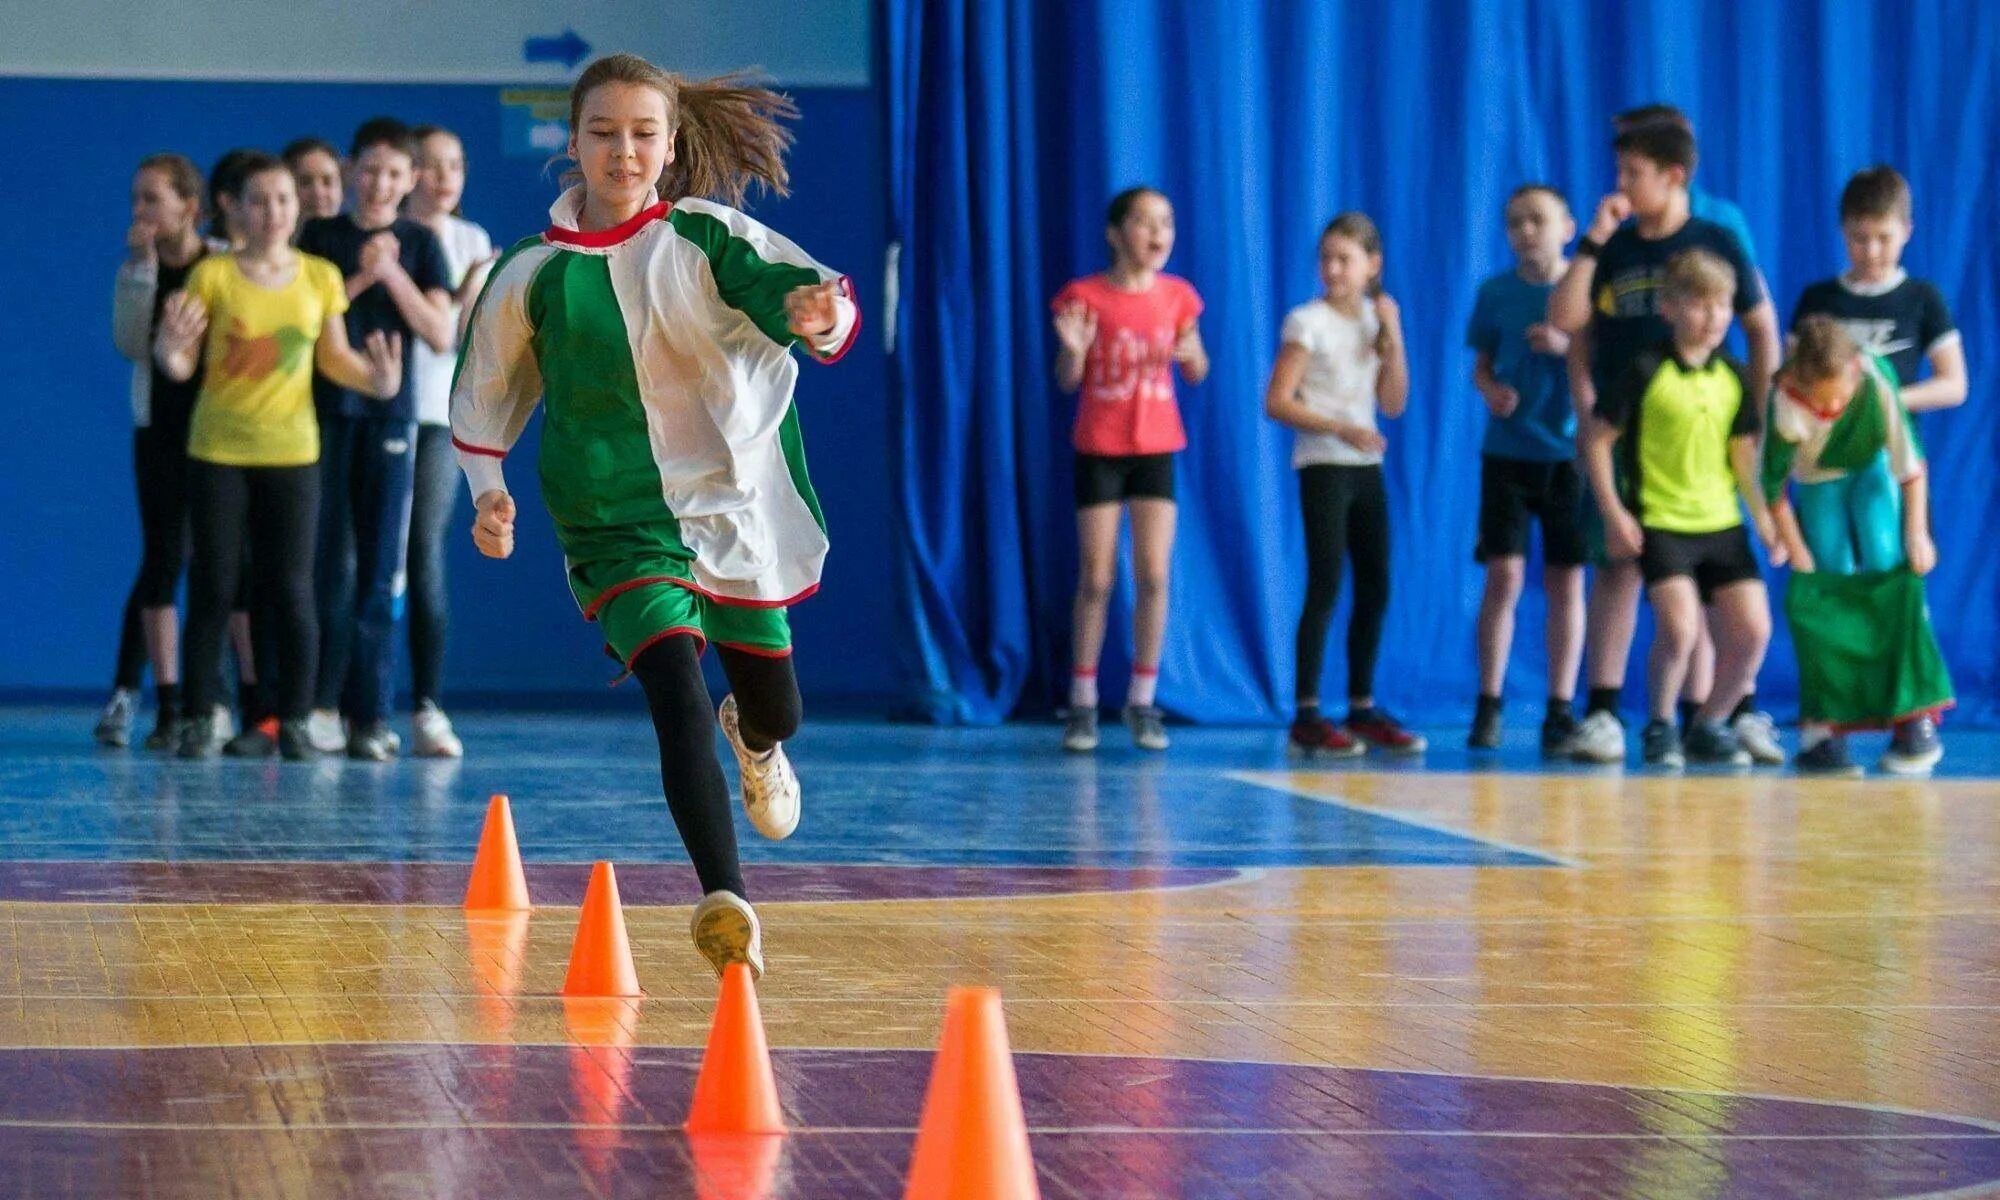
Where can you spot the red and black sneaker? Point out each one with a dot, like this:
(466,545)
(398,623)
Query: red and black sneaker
(1314,736)
(1385,733)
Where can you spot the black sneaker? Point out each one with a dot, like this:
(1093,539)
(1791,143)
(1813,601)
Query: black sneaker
(1485,733)
(1914,748)
(295,741)
(1715,744)
(1557,730)
(254,742)
(1660,745)
(197,737)
(1148,725)
(166,732)
(1827,758)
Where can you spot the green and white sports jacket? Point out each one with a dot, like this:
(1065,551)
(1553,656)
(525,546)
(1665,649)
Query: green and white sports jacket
(661,353)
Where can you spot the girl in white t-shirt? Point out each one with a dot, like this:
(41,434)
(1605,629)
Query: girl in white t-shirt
(468,254)
(1342,361)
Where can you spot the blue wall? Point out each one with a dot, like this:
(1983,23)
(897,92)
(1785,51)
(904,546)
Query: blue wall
(69,541)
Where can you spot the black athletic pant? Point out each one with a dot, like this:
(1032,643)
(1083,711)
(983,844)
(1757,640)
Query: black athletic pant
(277,509)
(767,705)
(1347,517)
(160,468)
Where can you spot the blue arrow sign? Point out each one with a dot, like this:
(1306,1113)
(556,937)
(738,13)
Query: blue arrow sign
(569,49)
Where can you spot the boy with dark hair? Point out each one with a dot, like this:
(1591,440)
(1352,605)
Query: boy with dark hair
(397,282)
(1888,313)
(1685,422)
(1611,295)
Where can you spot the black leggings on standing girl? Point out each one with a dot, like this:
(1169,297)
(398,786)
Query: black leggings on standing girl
(1347,517)
(277,508)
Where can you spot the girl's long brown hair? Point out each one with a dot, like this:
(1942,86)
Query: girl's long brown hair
(728,131)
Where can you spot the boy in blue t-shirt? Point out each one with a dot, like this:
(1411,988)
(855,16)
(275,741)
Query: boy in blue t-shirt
(1527,463)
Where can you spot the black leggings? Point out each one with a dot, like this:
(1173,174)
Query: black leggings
(160,468)
(1346,516)
(278,508)
(767,704)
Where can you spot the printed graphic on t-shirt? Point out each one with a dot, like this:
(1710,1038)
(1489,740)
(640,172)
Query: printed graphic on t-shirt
(282,351)
(1133,367)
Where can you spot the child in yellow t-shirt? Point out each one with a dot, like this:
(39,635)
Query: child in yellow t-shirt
(260,320)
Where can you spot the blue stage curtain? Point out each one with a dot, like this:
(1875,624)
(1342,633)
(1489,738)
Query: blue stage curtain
(1011,124)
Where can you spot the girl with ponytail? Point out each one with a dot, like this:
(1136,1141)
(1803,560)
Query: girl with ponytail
(657,322)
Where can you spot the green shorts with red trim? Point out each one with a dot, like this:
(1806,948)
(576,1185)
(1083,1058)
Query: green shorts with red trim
(637,604)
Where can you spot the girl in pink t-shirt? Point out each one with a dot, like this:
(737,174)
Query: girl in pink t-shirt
(1121,334)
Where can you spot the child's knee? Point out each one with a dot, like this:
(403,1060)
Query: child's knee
(1505,578)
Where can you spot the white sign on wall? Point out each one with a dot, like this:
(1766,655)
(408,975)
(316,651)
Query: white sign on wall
(799,43)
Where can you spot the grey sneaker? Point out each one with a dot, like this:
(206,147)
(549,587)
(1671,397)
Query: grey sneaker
(373,743)
(114,724)
(1914,748)
(295,742)
(770,786)
(1712,743)
(1600,739)
(725,930)
(1758,734)
(1080,731)
(1827,758)
(1148,725)
(197,738)
(1660,745)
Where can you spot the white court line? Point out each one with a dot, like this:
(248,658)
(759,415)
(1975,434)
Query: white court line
(1262,779)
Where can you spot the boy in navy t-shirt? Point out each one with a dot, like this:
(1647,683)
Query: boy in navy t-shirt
(398,282)
(1528,463)
(1885,311)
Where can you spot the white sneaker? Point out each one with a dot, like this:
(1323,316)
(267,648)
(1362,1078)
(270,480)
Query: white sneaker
(325,731)
(725,930)
(435,737)
(1758,734)
(114,724)
(770,789)
(1600,739)
(225,726)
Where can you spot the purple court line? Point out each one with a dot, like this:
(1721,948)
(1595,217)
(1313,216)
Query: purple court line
(88,882)
(507,1121)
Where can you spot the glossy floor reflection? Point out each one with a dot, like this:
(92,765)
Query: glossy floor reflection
(1224,976)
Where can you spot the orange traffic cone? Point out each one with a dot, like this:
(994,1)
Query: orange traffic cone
(497,879)
(973,1142)
(600,961)
(736,1091)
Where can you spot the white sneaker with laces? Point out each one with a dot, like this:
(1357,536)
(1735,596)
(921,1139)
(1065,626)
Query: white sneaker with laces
(1758,734)
(726,930)
(1600,739)
(770,788)
(325,732)
(435,737)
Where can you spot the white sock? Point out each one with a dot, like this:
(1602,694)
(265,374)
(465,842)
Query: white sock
(1083,689)
(1813,735)
(1145,684)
